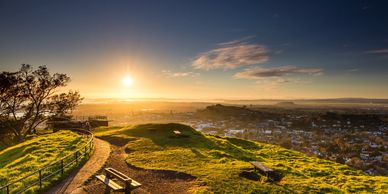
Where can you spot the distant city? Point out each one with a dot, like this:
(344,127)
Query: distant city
(356,136)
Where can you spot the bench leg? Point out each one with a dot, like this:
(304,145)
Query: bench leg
(127,190)
(107,190)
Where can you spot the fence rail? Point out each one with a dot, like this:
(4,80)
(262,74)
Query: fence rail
(38,177)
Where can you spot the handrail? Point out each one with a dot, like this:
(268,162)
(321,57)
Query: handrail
(84,147)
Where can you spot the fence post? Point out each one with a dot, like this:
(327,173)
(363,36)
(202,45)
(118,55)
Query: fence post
(76,157)
(90,147)
(7,189)
(40,179)
(62,166)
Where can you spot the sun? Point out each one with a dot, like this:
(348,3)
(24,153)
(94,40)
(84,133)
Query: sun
(127,81)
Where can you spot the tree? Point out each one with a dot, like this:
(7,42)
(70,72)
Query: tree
(29,97)
(5,132)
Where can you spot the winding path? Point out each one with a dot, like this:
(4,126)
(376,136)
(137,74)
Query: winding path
(78,177)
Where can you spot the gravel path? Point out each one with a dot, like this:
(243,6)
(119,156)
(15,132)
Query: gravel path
(153,181)
(77,178)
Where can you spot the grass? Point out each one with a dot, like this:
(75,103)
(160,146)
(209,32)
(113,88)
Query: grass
(221,163)
(24,158)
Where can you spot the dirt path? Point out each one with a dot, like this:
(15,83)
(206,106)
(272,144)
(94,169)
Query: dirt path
(77,178)
(153,181)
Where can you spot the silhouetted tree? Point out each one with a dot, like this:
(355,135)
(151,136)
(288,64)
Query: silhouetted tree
(29,97)
(5,132)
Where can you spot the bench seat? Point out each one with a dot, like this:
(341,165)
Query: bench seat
(268,172)
(261,166)
(111,174)
(135,184)
(113,185)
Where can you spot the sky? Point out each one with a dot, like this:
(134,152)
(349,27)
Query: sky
(203,49)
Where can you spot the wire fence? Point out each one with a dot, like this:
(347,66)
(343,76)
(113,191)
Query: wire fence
(40,179)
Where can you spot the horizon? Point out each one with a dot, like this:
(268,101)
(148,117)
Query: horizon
(255,50)
(230,99)
(332,102)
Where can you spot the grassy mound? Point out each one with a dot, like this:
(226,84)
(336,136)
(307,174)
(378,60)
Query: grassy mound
(221,163)
(24,158)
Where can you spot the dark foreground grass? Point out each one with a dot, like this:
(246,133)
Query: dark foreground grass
(221,164)
(24,158)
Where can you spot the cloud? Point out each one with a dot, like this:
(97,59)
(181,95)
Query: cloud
(273,83)
(238,41)
(258,73)
(353,70)
(378,51)
(168,73)
(231,55)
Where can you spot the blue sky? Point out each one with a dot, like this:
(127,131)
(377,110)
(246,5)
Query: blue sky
(204,49)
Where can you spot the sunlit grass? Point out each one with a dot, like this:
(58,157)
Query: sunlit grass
(24,158)
(219,162)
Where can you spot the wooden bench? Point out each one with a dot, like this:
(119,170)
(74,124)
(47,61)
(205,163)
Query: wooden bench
(111,173)
(266,171)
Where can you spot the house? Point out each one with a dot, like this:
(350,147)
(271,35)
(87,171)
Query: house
(364,156)
(373,145)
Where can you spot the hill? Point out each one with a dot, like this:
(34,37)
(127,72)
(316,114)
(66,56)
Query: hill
(24,158)
(220,164)
(286,103)
(219,111)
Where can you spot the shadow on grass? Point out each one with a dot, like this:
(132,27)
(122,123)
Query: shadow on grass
(243,143)
(166,174)
(117,141)
(13,154)
(161,134)
(198,153)
(251,175)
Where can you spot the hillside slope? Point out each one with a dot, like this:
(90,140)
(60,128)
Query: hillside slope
(24,158)
(221,164)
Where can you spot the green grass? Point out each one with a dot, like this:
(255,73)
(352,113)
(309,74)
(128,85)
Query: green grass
(219,163)
(24,158)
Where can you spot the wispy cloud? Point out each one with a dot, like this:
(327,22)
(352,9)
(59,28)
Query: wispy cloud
(231,55)
(273,83)
(270,79)
(169,73)
(238,41)
(353,70)
(377,51)
(258,73)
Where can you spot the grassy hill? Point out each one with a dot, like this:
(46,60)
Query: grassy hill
(221,164)
(24,158)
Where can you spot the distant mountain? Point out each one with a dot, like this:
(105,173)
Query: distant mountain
(219,111)
(287,103)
